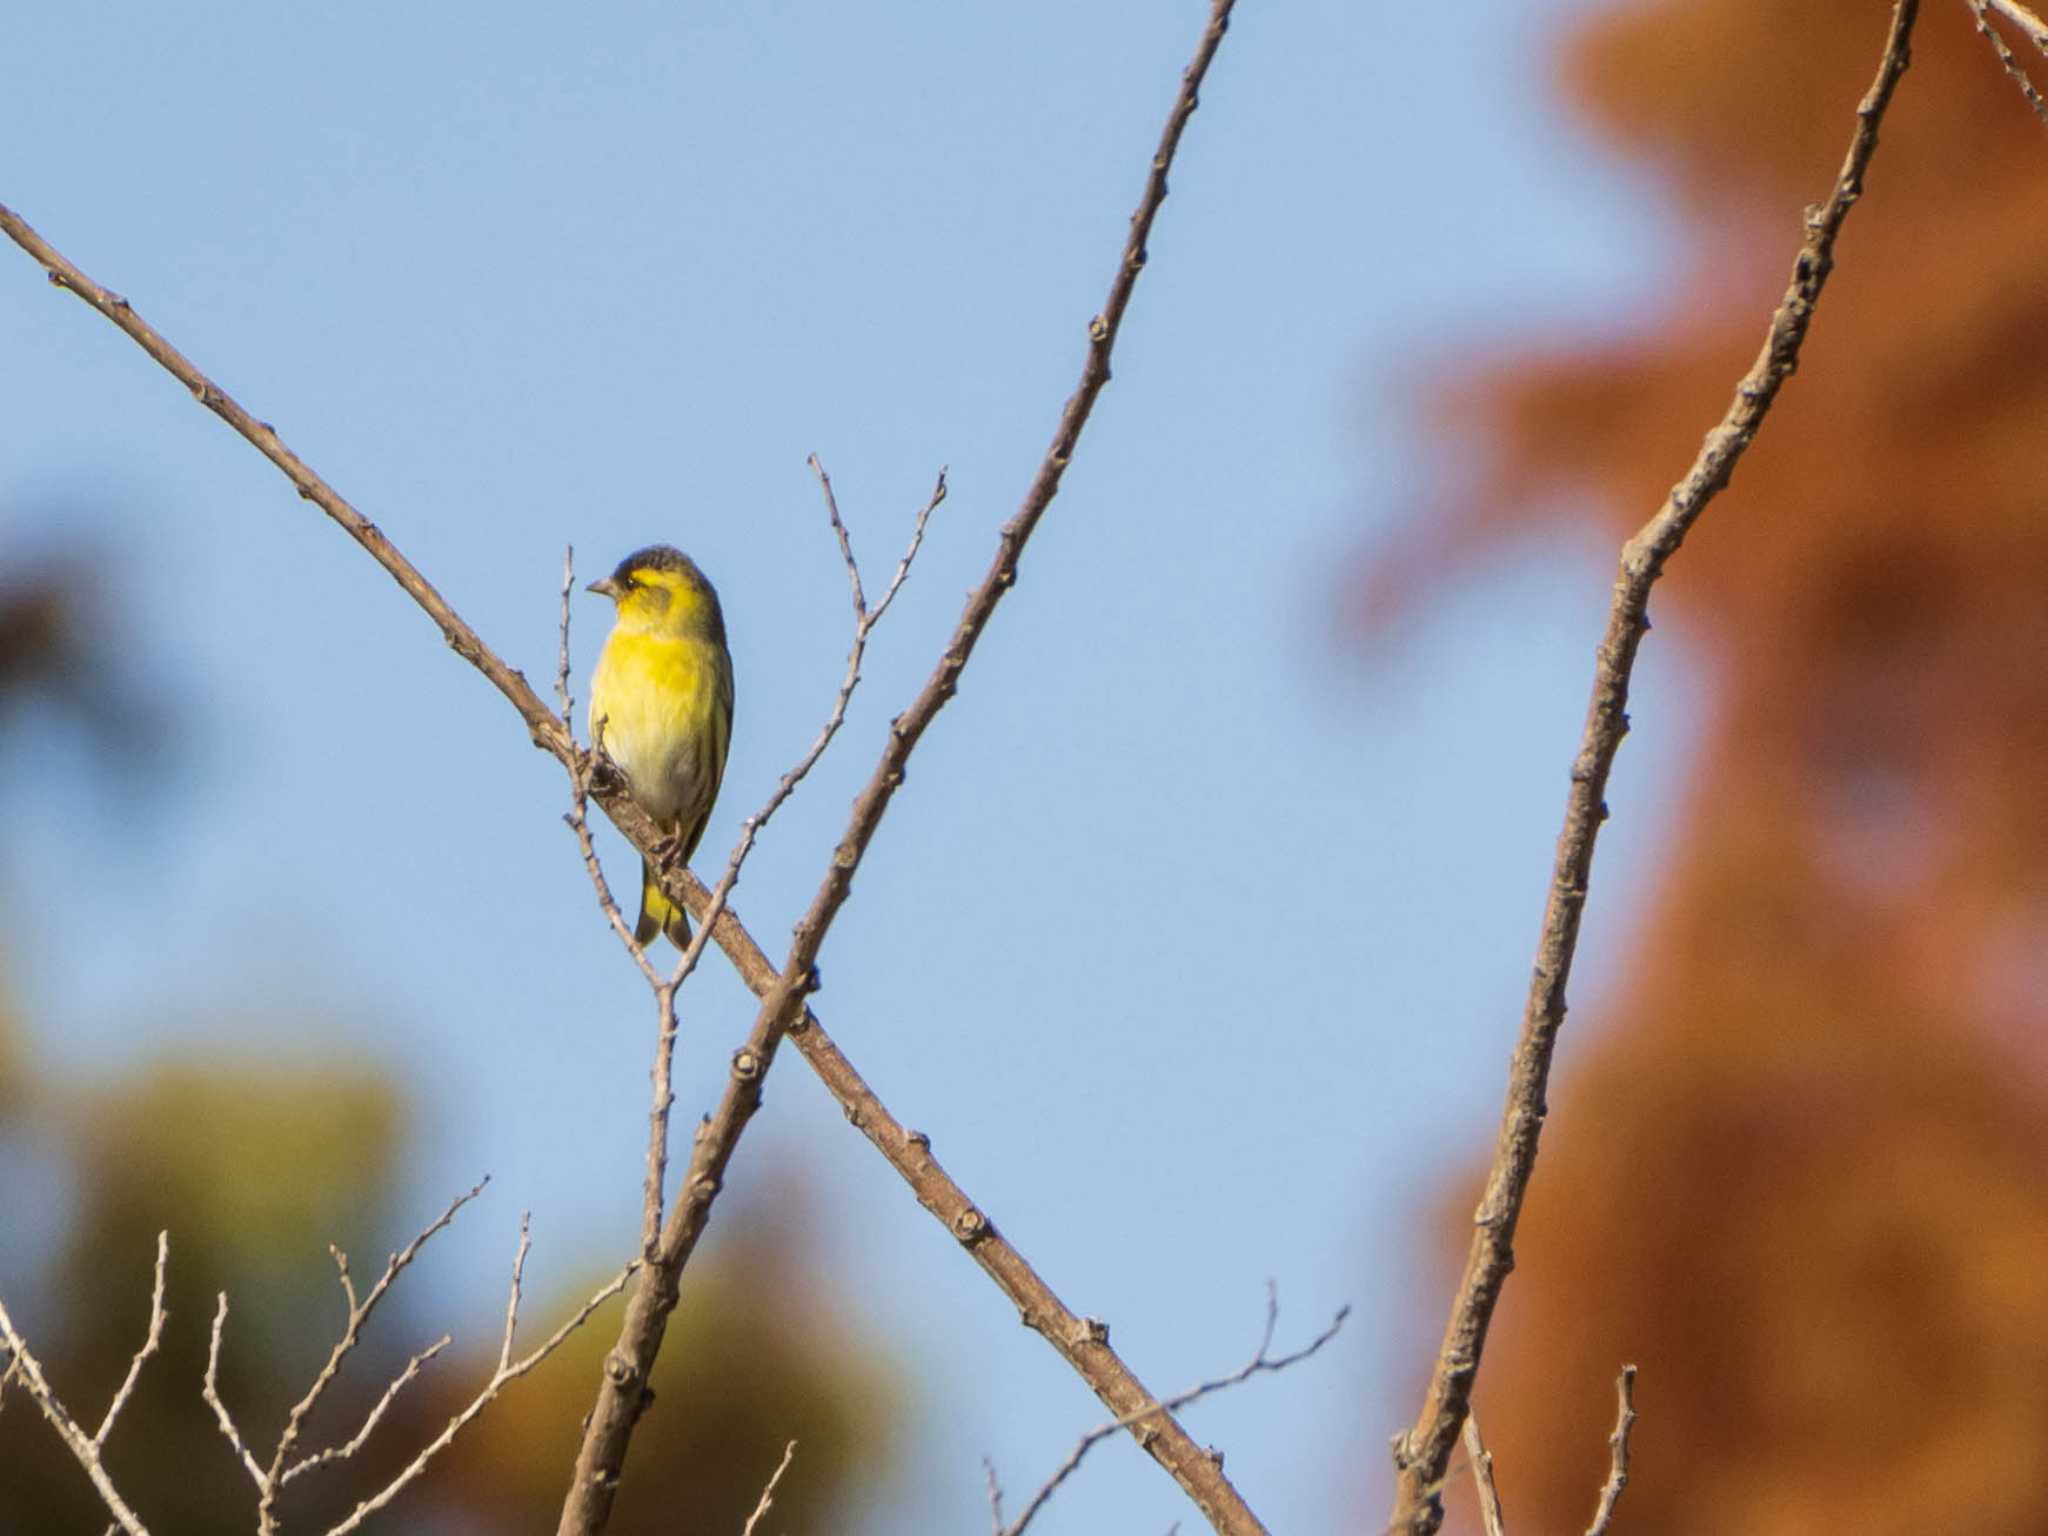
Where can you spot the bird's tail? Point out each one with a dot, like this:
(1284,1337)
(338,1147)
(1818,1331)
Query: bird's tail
(658,914)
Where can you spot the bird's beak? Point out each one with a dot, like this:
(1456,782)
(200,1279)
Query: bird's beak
(606,588)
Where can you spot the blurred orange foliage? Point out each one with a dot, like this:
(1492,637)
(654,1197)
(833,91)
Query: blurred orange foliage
(1801,1175)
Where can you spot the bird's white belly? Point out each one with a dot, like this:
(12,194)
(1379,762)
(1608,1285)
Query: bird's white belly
(662,762)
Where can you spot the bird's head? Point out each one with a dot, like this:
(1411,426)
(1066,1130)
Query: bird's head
(660,588)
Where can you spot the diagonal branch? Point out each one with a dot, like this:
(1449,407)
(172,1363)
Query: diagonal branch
(1422,1455)
(623,1392)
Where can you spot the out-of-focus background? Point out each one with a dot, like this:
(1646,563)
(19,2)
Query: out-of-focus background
(1198,938)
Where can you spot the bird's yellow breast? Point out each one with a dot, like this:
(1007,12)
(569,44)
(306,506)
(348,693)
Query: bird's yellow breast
(663,705)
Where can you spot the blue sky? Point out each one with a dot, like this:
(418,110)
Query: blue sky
(1196,940)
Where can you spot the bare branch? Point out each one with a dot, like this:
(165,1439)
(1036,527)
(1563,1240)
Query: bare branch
(657,1117)
(210,1390)
(2003,50)
(348,1284)
(149,1345)
(860,601)
(1423,1453)
(562,698)
(995,1497)
(509,1370)
(2026,20)
(1263,1360)
(270,1482)
(22,1366)
(1482,1477)
(1617,1450)
(902,574)
(512,1299)
(356,1442)
(273,1479)
(579,823)
(768,1494)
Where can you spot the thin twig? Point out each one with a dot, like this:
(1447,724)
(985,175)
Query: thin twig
(273,1479)
(149,1345)
(518,1279)
(995,1497)
(210,1391)
(2026,20)
(1482,1478)
(2014,70)
(768,1494)
(1263,1360)
(662,1074)
(1617,1451)
(270,1482)
(902,573)
(23,1366)
(1422,1454)
(579,823)
(657,1117)
(356,1442)
(562,658)
(508,1370)
(860,600)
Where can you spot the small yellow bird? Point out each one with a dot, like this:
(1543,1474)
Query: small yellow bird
(661,707)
